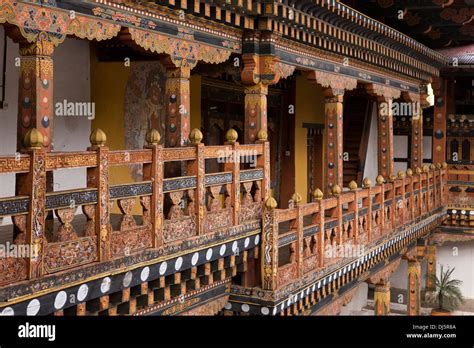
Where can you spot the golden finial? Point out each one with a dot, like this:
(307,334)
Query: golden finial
(392,177)
(152,137)
(426,169)
(444,165)
(367,182)
(262,135)
(418,170)
(318,194)
(33,139)
(296,198)
(353,185)
(271,203)
(98,137)
(432,166)
(195,136)
(409,172)
(336,190)
(380,180)
(438,165)
(231,135)
(401,174)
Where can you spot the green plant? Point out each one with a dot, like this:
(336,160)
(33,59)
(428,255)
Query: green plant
(446,292)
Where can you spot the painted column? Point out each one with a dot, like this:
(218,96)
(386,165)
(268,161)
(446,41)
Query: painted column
(255,111)
(385,97)
(417,140)
(35,104)
(177,104)
(385,137)
(333,122)
(439,123)
(382,298)
(414,294)
(430,265)
(334,88)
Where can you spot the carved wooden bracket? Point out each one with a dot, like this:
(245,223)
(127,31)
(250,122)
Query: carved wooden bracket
(383,91)
(337,84)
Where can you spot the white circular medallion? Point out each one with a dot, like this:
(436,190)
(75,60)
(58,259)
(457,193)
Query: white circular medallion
(163,268)
(105,285)
(60,300)
(178,263)
(208,254)
(257,239)
(7,312)
(195,259)
(235,246)
(246,244)
(245,307)
(127,279)
(222,250)
(265,310)
(33,307)
(145,273)
(82,292)
(228,306)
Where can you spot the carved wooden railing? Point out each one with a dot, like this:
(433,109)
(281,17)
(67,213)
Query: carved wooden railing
(172,210)
(309,237)
(461,195)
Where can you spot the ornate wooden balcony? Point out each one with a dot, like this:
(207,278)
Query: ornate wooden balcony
(312,250)
(177,215)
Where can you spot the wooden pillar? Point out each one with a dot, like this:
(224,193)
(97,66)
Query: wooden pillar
(430,265)
(385,153)
(270,246)
(417,140)
(197,167)
(33,185)
(382,298)
(35,99)
(333,165)
(414,294)
(154,171)
(98,177)
(255,111)
(440,116)
(178,104)
(385,96)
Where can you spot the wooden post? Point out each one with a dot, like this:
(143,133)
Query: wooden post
(414,293)
(270,245)
(197,167)
(33,184)
(178,104)
(417,140)
(333,166)
(35,104)
(439,123)
(382,298)
(385,136)
(255,111)
(263,161)
(98,178)
(234,167)
(430,265)
(154,171)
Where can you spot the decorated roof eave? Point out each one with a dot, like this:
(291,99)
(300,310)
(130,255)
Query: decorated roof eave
(308,58)
(52,24)
(383,34)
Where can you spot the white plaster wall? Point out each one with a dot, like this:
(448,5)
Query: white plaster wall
(371,170)
(399,278)
(359,300)
(71,82)
(427,144)
(463,262)
(400,150)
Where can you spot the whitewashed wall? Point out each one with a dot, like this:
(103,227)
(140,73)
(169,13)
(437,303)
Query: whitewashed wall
(371,170)
(71,82)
